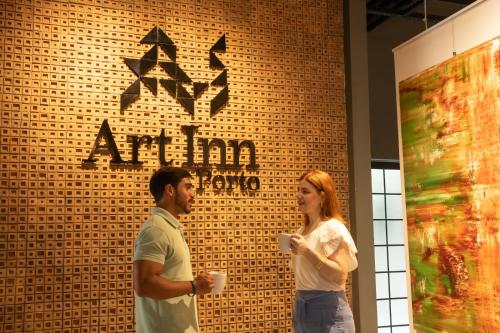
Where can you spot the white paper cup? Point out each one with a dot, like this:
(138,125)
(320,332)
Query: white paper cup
(219,280)
(284,241)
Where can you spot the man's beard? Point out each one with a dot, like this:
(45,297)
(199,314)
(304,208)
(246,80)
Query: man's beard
(184,206)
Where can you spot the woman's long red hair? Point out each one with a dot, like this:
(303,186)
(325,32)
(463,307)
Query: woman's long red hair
(324,184)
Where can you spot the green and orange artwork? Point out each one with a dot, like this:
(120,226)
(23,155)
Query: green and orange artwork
(450,130)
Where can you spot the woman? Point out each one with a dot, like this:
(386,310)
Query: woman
(323,253)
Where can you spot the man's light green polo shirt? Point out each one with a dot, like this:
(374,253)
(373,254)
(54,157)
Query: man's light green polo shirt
(161,240)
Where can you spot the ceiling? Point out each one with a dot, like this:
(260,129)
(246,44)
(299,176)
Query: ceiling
(379,11)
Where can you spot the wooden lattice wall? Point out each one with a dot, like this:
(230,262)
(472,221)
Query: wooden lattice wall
(67,228)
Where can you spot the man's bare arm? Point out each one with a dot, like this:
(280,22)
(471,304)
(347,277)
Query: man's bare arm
(149,283)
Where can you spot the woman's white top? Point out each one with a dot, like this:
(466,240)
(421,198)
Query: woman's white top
(325,239)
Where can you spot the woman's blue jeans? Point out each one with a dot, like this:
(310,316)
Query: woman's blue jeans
(322,312)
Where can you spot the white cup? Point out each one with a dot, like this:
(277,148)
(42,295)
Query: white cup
(219,280)
(284,241)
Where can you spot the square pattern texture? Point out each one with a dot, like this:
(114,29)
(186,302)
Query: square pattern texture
(67,228)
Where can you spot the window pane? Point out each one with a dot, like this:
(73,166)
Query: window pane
(397,258)
(395,232)
(378,206)
(380,258)
(384,330)
(383,315)
(401,329)
(390,257)
(392,181)
(399,311)
(394,207)
(379,237)
(377,181)
(382,284)
(398,285)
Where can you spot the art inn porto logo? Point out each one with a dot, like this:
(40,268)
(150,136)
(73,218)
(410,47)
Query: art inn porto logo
(174,82)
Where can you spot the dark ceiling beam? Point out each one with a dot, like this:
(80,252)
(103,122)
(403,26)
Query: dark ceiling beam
(375,20)
(412,5)
(418,16)
(378,11)
(460,2)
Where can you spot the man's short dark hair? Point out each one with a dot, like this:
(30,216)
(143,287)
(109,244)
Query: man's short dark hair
(164,176)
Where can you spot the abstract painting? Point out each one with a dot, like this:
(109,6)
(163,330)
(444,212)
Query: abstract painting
(450,131)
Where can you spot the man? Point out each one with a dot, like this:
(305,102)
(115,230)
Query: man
(163,279)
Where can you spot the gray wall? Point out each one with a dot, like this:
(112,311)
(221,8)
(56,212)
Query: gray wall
(382,90)
(383,114)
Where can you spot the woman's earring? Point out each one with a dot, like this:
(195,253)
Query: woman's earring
(321,205)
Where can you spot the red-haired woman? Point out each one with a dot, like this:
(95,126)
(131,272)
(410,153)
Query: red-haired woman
(323,253)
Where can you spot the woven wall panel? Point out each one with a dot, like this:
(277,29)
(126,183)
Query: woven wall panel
(67,228)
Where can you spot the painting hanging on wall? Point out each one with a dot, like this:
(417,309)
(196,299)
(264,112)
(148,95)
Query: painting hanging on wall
(450,137)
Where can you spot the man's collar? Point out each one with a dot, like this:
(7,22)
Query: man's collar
(174,222)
